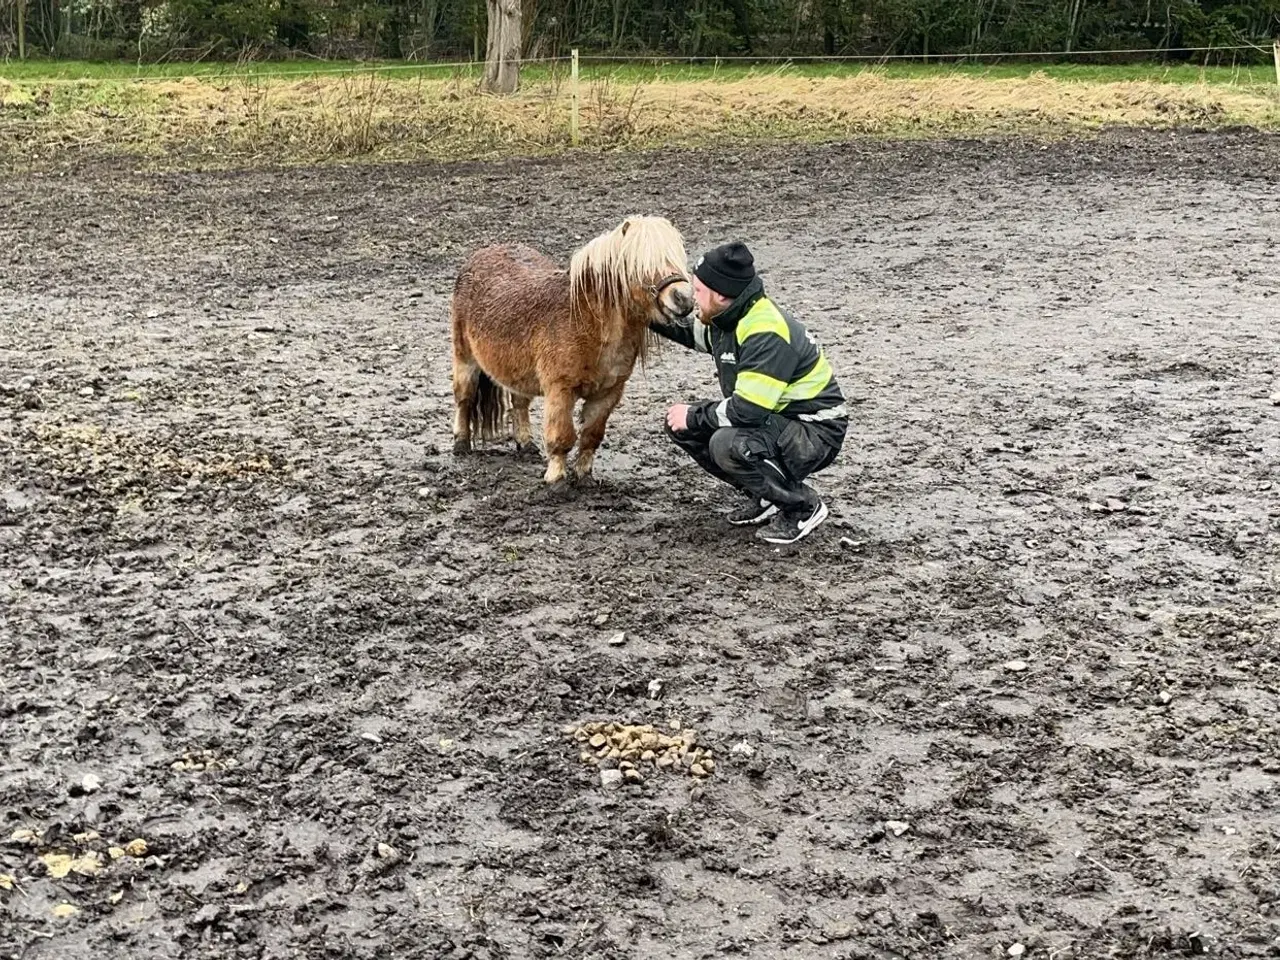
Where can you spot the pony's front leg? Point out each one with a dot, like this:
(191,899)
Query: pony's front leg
(595,415)
(557,430)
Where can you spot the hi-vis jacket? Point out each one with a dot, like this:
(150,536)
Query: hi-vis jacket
(767,364)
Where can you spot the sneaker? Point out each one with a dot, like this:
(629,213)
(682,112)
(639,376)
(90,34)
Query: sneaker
(752,512)
(790,527)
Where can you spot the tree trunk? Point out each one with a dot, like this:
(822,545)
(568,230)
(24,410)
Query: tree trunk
(620,10)
(502,52)
(1073,24)
(22,29)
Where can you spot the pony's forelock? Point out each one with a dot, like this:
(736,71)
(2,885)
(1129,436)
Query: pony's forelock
(640,250)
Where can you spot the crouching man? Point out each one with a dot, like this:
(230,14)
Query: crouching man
(783,417)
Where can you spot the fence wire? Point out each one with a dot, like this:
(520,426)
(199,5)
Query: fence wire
(653,60)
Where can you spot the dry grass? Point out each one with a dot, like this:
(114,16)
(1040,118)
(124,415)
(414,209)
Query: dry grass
(222,122)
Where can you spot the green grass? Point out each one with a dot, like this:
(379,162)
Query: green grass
(645,71)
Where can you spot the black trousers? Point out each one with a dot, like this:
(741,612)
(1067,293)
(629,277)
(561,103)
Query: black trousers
(770,461)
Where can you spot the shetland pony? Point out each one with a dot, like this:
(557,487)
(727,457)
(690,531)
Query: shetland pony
(524,327)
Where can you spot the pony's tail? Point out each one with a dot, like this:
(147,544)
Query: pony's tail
(489,409)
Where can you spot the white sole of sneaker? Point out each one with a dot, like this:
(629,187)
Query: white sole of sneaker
(806,528)
(756,521)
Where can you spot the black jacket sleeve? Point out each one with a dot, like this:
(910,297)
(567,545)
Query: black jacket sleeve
(690,332)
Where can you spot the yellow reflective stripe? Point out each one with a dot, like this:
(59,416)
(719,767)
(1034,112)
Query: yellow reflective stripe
(759,388)
(811,384)
(763,318)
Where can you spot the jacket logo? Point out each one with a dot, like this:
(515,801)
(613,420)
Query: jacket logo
(728,358)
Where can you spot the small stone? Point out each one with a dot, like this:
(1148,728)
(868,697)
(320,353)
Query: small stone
(618,639)
(674,724)
(64,910)
(91,783)
(601,619)
(708,764)
(898,827)
(1017,950)
(115,853)
(697,770)
(742,749)
(633,775)
(655,688)
(598,741)
(648,756)
(837,931)
(86,391)
(1165,697)
(136,848)
(610,779)
(388,852)
(666,760)
(1016,666)
(1275,399)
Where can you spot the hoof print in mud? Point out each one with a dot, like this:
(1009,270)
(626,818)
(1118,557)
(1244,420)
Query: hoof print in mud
(625,753)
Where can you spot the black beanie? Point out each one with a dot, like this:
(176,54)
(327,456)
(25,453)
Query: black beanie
(727,269)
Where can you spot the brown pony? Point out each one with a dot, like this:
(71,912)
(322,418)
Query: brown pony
(525,327)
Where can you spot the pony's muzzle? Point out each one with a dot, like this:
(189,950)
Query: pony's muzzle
(674,297)
(681,305)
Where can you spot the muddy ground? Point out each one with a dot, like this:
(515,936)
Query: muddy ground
(247,590)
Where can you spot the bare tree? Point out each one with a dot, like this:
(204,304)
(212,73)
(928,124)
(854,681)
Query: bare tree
(502,53)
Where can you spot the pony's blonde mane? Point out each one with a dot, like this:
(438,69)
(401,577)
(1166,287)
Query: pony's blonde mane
(639,250)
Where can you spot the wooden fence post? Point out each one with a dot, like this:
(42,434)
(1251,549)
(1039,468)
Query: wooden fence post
(573,93)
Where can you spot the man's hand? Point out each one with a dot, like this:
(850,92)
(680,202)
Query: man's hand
(678,417)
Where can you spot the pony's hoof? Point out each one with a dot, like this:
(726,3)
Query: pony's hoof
(527,451)
(461,447)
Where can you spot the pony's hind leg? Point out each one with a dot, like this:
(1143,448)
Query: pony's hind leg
(466,383)
(595,415)
(466,379)
(558,431)
(521,429)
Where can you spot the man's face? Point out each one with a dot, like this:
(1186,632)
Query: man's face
(709,302)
